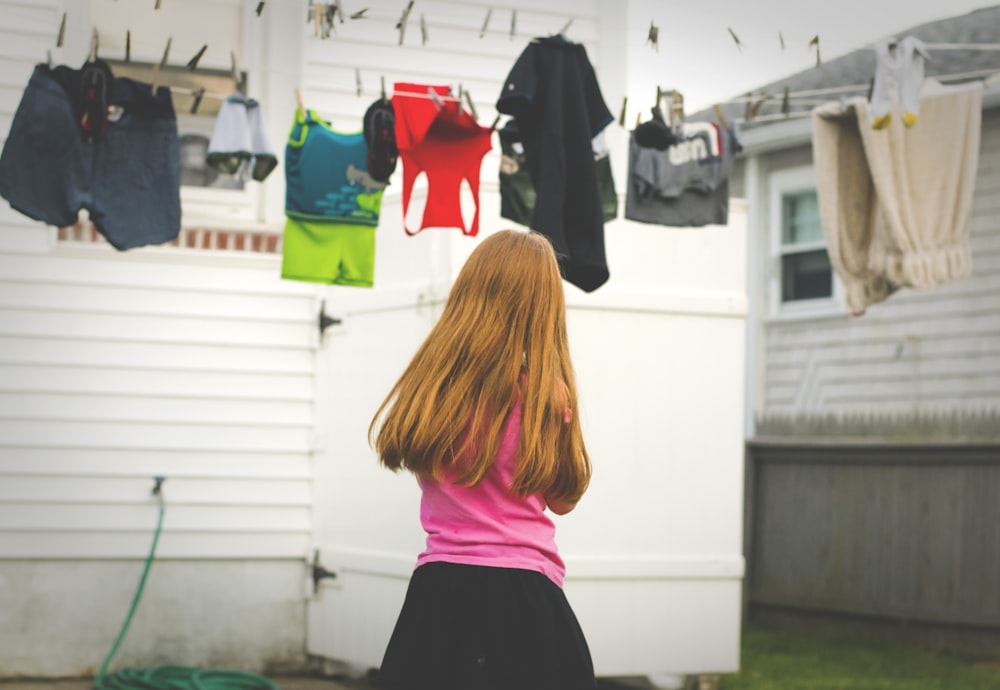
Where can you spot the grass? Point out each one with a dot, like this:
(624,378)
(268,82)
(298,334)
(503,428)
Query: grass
(826,661)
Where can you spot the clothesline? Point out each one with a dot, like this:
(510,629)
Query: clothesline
(850,88)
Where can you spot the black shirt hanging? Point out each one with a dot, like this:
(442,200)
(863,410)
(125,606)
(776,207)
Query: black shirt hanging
(552,92)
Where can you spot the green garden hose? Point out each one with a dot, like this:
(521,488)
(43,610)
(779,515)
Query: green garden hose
(169,677)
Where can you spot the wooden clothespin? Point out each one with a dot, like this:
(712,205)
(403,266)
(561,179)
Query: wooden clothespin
(736,39)
(357,81)
(486,22)
(166,53)
(48,55)
(781,39)
(317,19)
(621,117)
(423,31)
(360,14)
(513,23)
(95,41)
(755,106)
(720,116)
(260,7)
(193,62)
(128,45)
(384,99)
(472,106)
(157,5)
(401,24)
(496,121)
(814,41)
(197,96)
(653,37)
(562,32)
(235,71)
(298,102)
(61,37)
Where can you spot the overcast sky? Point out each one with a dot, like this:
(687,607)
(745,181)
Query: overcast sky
(698,54)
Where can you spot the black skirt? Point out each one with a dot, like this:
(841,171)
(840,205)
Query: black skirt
(470,627)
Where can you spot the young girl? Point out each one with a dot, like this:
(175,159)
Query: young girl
(483,416)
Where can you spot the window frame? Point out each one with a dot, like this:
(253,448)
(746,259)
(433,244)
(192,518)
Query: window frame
(781,183)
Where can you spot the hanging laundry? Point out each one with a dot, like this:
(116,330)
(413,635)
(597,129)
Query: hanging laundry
(239,140)
(896,204)
(517,193)
(899,77)
(436,136)
(121,164)
(332,205)
(553,94)
(380,136)
(686,185)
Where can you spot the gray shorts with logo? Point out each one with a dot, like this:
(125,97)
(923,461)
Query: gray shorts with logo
(129,181)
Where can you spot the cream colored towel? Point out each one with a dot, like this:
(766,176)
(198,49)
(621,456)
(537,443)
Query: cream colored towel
(896,203)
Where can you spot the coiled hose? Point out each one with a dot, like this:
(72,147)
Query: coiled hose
(169,677)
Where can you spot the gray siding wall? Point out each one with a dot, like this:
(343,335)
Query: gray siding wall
(919,351)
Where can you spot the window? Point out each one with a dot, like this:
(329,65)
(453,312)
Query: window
(802,280)
(805,266)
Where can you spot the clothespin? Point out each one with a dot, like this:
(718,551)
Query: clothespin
(401,24)
(565,28)
(360,14)
(384,99)
(157,5)
(128,45)
(298,102)
(736,39)
(317,20)
(513,23)
(357,80)
(781,39)
(496,121)
(719,116)
(785,105)
(653,38)
(197,95)
(60,39)
(621,117)
(754,108)
(193,62)
(657,110)
(48,55)
(235,70)
(461,92)
(638,119)
(166,53)
(472,106)
(329,17)
(95,40)
(676,110)
(338,11)
(486,22)
(436,98)
(260,7)
(814,41)
(423,30)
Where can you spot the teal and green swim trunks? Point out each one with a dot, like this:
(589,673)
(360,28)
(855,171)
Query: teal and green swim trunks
(334,253)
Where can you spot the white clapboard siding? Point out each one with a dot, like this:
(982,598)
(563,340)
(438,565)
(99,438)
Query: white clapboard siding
(920,350)
(115,368)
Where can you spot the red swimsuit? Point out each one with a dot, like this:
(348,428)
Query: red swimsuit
(438,137)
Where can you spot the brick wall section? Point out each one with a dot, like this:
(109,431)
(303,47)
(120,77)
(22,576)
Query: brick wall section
(253,241)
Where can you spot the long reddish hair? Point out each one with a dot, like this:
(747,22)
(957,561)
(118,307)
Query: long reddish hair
(502,333)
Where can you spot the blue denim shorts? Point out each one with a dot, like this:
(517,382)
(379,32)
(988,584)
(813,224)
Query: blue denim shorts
(129,181)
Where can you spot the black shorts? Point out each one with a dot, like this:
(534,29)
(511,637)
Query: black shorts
(469,627)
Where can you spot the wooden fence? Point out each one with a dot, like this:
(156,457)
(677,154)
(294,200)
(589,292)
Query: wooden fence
(899,532)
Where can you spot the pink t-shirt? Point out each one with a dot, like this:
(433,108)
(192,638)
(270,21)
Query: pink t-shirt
(488,524)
